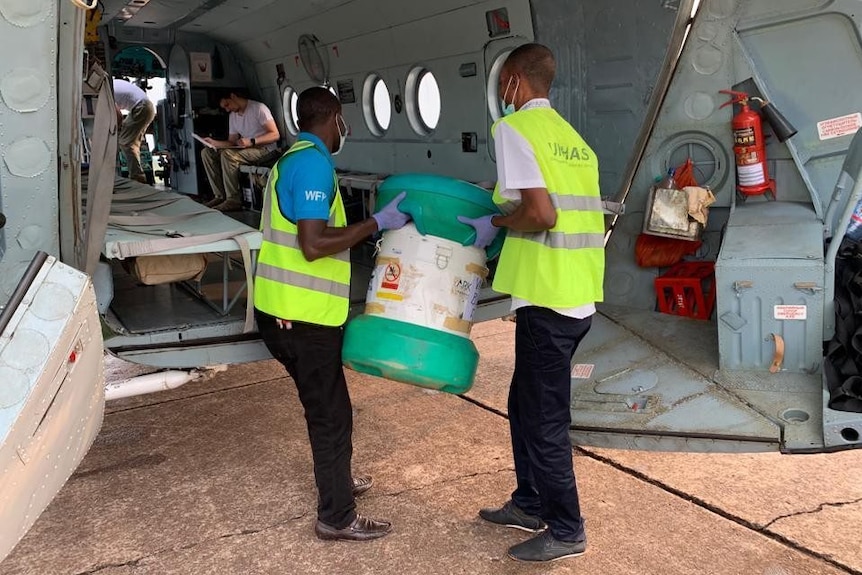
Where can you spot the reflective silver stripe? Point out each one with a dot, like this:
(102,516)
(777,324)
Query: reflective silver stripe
(290,240)
(582,203)
(562,202)
(297,279)
(561,240)
(285,239)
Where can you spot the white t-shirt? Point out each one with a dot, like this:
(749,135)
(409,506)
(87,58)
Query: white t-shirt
(250,124)
(517,169)
(126,94)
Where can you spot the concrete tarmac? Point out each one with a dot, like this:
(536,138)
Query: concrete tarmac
(216,477)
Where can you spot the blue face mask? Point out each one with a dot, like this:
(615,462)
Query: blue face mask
(509,109)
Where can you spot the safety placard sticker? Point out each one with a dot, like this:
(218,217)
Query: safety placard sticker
(841,126)
(472,299)
(583,370)
(791,312)
(391,276)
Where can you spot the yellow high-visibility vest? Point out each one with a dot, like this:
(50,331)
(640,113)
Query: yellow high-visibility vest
(564,266)
(287,285)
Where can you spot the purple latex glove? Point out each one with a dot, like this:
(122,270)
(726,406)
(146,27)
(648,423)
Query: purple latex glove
(485,230)
(390,218)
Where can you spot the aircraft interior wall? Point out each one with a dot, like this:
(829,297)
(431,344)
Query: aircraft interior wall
(361,38)
(608,57)
(759,47)
(607,61)
(607,65)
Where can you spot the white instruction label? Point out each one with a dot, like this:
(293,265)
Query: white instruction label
(791,312)
(582,370)
(472,299)
(752,175)
(837,127)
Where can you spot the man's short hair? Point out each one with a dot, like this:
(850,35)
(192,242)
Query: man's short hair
(315,106)
(536,63)
(226,94)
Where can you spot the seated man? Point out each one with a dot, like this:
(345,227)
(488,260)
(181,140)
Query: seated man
(252,134)
(129,97)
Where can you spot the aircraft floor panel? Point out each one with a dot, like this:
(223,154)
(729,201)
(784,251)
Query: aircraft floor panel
(695,342)
(793,400)
(634,382)
(143,309)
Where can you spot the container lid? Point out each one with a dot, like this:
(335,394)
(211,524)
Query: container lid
(435,202)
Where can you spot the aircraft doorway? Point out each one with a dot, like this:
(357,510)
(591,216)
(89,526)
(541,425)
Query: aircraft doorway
(148,71)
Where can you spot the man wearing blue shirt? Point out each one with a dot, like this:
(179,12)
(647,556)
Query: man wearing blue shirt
(302,296)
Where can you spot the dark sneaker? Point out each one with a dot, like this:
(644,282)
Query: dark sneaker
(361,529)
(546,547)
(511,515)
(362,484)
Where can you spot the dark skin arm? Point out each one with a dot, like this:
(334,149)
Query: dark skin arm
(318,240)
(535,214)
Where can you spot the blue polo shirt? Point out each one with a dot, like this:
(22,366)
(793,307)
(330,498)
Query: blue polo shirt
(305,186)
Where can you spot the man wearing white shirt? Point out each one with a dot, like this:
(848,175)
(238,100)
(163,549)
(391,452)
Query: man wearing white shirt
(252,134)
(132,99)
(552,264)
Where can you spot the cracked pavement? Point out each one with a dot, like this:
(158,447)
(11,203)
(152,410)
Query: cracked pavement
(216,477)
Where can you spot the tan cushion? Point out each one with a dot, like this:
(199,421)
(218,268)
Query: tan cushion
(156,270)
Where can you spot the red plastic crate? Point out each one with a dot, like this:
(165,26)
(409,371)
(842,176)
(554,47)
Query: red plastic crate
(687,289)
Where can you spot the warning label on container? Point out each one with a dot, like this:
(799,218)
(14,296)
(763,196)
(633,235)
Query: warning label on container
(791,312)
(743,137)
(391,276)
(837,127)
(582,370)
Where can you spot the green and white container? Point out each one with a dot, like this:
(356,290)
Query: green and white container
(424,289)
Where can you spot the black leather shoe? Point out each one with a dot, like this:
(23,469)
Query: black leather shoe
(546,547)
(510,515)
(361,529)
(362,484)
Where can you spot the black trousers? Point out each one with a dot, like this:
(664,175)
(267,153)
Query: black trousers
(539,418)
(312,356)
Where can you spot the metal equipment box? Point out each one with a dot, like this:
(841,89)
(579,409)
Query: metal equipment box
(769,288)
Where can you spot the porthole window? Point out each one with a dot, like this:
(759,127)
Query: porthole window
(423,100)
(376,104)
(288,108)
(495,106)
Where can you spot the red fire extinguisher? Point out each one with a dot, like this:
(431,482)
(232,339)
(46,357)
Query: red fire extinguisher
(749,147)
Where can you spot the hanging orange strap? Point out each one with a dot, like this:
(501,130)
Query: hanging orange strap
(778,358)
